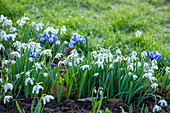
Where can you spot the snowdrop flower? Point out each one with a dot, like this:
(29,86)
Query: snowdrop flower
(12,36)
(22,21)
(8,86)
(13,29)
(39,26)
(151,70)
(7,22)
(6,69)
(128,59)
(2,18)
(2,47)
(4,36)
(31,59)
(5,62)
(96,74)
(57,42)
(27,73)
(154,85)
(1,80)
(130,67)
(163,102)
(138,33)
(145,65)
(70,64)
(32,24)
(47,98)
(156,108)
(134,53)
(133,57)
(95,91)
(16,54)
(37,88)
(147,75)
(13,61)
(47,52)
(65,42)
(94,53)
(6,99)
(152,79)
(85,67)
(28,80)
(77,61)
(99,63)
(139,64)
(135,77)
(167,69)
(17,76)
(143,54)
(118,51)
(63,30)
(58,55)
(100,92)
(45,74)
(37,66)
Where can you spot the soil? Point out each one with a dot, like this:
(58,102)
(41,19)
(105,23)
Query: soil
(84,106)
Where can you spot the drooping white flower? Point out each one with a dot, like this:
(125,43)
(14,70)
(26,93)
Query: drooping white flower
(95,91)
(163,102)
(7,98)
(45,74)
(27,73)
(65,42)
(13,61)
(138,33)
(85,67)
(139,64)
(2,18)
(32,24)
(7,22)
(37,66)
(12,36)
(17,54)
(118,51)
(5,62)
(58,55)
(135,77)
(22,21)
(17,76)
(39,26)
(12,29)
(46,52)
(99,63)
(8,86)
(100,92)
(28,80)
(1,80)
(70,64)
(7,70)
(2,47)
(47,98)
(134,53)
(156,108)
(96,74)
(63,30)
(145,65)
(147,75)
(36,88)
(77,61)
(58,42)
(143,54)
(152,79)
(167,69)
(154,85)
(130,67)
(31,59)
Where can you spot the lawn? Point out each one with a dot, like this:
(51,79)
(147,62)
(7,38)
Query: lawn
(123,32)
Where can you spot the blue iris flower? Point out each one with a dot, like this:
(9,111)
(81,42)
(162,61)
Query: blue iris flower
(42,40)
(75,39)
(155,55)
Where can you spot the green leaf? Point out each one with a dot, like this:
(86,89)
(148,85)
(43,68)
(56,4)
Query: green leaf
(130,108)
(18,107)
(82,82)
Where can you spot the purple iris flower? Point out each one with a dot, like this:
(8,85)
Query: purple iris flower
(71,44)
(75,39)
(42,40)
(155,55)
(51,40)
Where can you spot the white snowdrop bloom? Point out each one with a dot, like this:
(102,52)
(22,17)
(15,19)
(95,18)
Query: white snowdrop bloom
(2,18)
(135,77)
(154,67)
(130,73)
(12,36)
(96,74)
(145,65)
(128,59)
(7,98)
(111,66)
(65,42)
(143,54)
(167,69)
(8,86)
(118,51)
(36,88)
(22,21)
(58,55)
(130,67)
(7,22)
(37,65)
(32,24)
(152,79)
(39,26)
(100,92)
(5,62)
(163,102)
(151,70)
(77,61)
(28,80)
(154,85)
(1,80)
(2,47)
(45,74)
(94,53)
(17,54)
(138,33)
(85,67)
(47,98)
(17,76)
(15,44)
(13,61)
(139,64)
(134,53)
(70,64)
(58,42)
(156,108)
(3,35)
(51,30)
(7,70)
(63,30)
(147,75)
(95,91)
(133,57)
(12,29)
(46,52)
(31,59)
(27,73)
(99,63)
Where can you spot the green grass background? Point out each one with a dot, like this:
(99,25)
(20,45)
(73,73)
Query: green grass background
(108,23)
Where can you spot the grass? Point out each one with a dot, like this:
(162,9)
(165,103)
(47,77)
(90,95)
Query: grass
(104,22)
